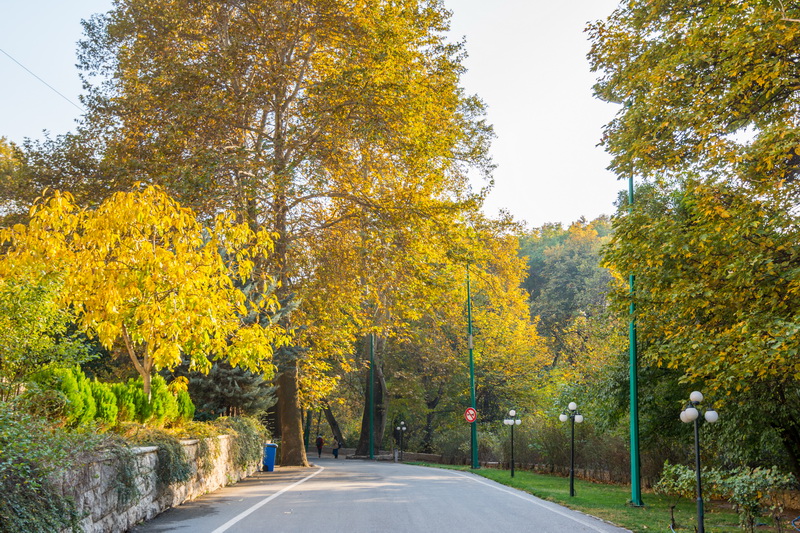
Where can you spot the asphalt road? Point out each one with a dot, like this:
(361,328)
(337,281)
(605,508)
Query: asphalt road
(349,496)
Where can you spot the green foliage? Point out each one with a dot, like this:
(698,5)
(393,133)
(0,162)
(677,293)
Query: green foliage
(126,401)
(85,401)
(34,331)
(708,121)
(173,464)
(163,405)
(31,452)
(751,490)
(228,391)
(708,87)
(186,407)
(105,402)
(755,490)
(80,407)
(250,436)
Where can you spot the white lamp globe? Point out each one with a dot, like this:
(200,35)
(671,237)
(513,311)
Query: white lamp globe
(563,417)
(508,422)
(683,417)
(696,396)
(712,416)
(512,413)
(572,406)
(578,418)
(691,414)
(518,421)
(398,428)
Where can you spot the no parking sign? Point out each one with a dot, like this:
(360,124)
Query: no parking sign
(470,415)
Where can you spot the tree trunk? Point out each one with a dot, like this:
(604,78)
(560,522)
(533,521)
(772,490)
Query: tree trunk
(293,453)
(337,432)
(307,432)
(381,409)
(427,437)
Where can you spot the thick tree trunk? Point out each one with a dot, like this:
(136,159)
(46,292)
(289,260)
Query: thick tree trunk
(337,432)
(381,409)
(293,453)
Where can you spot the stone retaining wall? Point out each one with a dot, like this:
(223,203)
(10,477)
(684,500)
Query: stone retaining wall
(94,487)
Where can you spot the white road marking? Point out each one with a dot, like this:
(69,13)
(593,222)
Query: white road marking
(227,525)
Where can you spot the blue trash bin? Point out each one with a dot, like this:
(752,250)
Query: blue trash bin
(269,457)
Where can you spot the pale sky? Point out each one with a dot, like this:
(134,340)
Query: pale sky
(527,61)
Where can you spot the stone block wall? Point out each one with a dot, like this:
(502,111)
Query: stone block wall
(95,485)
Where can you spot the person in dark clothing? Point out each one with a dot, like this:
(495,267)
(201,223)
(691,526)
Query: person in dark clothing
(320,444)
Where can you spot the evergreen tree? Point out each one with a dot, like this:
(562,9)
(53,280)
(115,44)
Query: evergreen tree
(228,391)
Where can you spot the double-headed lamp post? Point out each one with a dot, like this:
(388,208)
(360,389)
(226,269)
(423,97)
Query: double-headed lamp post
(400,430)
(512,421)
(573,415)
(692,414)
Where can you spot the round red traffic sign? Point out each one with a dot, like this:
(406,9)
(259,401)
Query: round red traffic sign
(470,415)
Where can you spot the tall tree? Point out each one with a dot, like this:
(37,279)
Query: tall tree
(566,281)
(299,115)
(710,119)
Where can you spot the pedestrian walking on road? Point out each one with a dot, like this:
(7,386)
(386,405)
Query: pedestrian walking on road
(320,444)
(336,446)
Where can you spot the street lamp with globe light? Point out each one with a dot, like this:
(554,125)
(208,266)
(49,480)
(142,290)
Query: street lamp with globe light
(512,421)
(400,430)
(573,415)
(692,414)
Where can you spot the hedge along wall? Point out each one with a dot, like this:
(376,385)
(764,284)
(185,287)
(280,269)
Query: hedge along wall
(99,492)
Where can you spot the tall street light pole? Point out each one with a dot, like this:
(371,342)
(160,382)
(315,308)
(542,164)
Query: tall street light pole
(574,416)
(372,396)
(636,482)
(692,414)
(470,344)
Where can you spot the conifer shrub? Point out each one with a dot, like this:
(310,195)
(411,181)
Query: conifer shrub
(186,407)
(163,404)
(126,404)
(105,403)
(79,407)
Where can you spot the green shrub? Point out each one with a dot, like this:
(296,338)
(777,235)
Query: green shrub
(79,406)
(173,464)
(163,405)
(248,435)
(752,491)
(31,451)
(105,403)
(186,407)
(126,405)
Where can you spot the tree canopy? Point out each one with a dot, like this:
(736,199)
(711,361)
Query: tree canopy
(302,117)
(709,121)
(142,271)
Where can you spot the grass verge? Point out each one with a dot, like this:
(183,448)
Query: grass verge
(608,502)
